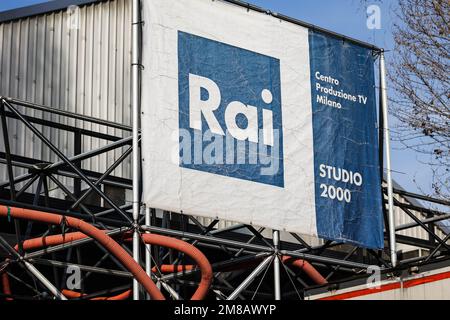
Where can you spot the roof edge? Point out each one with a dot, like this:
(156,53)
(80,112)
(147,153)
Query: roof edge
(304,24)
(41,8)
(56,5)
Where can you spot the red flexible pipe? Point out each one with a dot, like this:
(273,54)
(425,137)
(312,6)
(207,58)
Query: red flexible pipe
(73,295)
(6,286)
(128,261)
(193,252)
(299,263)
(92,232)
(176,244)
(306,267)
(54,240)
(51,240)
(171,268)
(58,239)
(165,268)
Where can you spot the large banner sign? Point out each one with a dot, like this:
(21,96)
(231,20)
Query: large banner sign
(255,120)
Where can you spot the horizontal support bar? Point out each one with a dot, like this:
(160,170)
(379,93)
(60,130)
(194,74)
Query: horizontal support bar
(429,220)
(67,114)
(420,209)
(93,176)
(64,127)
(253,247)
(421,197)
(323,259)
(207,239)
(61,264)
(419,243)
(71,244)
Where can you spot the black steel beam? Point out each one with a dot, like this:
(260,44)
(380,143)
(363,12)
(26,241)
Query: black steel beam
(103,177)
(421,197)
(68,162)
(420,209)
(415,242)
(67,114)
(65,127)
(28,163)
(424,226)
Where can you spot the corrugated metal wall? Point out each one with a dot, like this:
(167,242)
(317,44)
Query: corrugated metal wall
(75,60)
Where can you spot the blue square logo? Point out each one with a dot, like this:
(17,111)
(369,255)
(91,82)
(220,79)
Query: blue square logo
(230,119)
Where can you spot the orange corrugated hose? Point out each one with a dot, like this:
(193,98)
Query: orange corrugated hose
(171,268)
(113,247)
(73,295)
(5,284)
(306,267)
(53,240)
(193,252)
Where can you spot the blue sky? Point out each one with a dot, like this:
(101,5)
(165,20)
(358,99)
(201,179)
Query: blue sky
(347,17)
(12,4)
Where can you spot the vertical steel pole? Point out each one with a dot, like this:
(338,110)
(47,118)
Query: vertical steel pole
(12,186)
(135,124)
(387,139)
(276,265)
(148,248)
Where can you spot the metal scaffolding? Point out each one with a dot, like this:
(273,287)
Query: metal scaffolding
(240,255)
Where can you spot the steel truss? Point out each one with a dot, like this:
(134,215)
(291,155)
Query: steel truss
(240,256)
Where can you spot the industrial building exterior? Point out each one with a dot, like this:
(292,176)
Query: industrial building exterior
(66,70)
